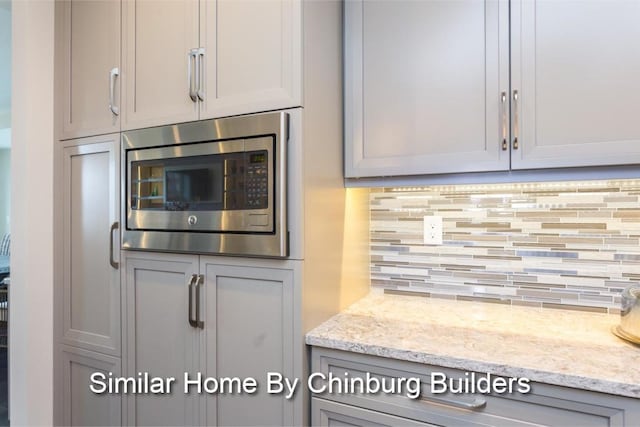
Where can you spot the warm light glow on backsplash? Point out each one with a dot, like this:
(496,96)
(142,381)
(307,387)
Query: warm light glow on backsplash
(572,244)
(516,186)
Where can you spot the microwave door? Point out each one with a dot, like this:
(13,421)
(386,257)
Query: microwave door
(218,186)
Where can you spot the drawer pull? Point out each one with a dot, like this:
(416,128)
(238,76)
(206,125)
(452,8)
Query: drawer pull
(478,402)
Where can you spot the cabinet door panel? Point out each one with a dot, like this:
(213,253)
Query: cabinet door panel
(576,69)
(253,55)
(90,50)
(249,332)
(157,38)
(91,285)
(160,340)
(424,83)
(81,406)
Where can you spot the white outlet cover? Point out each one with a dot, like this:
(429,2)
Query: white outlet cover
(432,230)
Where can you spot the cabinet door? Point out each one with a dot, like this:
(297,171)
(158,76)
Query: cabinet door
(82,407)
(90,42)
(579,91)
(157,39)
(253,55)
(91,283)
(331,414)
(160,340)
(248,332)
(424,83)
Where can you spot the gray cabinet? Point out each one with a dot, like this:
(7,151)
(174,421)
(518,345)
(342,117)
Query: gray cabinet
(89,65)
(442,87)
(81,406)
(205,316)
(253,56)
(157,38)
(423,86)
(159,338)
(332,414)
(578,88)
(91,277)
(190,60)
(89,296)
(249,332)
(544,404)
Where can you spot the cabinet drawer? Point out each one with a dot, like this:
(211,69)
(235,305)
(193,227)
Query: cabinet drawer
(328,414)
(544,404)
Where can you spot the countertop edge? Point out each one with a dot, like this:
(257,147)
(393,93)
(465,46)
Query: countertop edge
(535,375)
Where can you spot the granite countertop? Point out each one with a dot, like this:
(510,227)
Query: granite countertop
(560,347)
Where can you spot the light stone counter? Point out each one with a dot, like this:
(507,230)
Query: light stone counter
(560,347)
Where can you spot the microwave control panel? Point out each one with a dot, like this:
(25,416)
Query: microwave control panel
(246,180)
(257,190)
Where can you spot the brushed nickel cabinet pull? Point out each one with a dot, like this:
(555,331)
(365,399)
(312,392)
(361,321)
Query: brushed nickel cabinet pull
(516,127)
(200,74)
(190,287)
(113,74)
(192,59)
(478,402)
(503,103)
(112,261)
(199,285)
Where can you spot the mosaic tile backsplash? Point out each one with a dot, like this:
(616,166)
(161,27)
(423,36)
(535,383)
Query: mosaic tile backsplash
(572,245)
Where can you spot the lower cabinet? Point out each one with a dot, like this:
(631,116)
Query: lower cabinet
(83,407)
(159,340)
(327,413)
(191,317)
(544,404)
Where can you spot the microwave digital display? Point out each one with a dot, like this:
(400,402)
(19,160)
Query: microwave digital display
(258,158)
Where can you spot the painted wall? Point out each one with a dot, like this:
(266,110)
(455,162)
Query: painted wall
(32,147)
(565,245)
(5,65)
(5,190)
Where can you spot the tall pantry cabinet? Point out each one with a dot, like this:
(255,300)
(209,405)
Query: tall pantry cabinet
(185,60)
(88,326)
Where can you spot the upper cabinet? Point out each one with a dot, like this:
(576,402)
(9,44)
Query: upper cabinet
(187,60)
(252,56)
(89,65)
(158,70)
(139,63)
(431,87)
(575,66)
(424,80)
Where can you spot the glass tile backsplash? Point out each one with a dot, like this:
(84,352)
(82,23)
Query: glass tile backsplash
(572,245)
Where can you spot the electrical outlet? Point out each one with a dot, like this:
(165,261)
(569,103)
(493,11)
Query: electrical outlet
(433,230)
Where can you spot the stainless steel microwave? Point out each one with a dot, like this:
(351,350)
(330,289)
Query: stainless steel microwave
(214,186)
